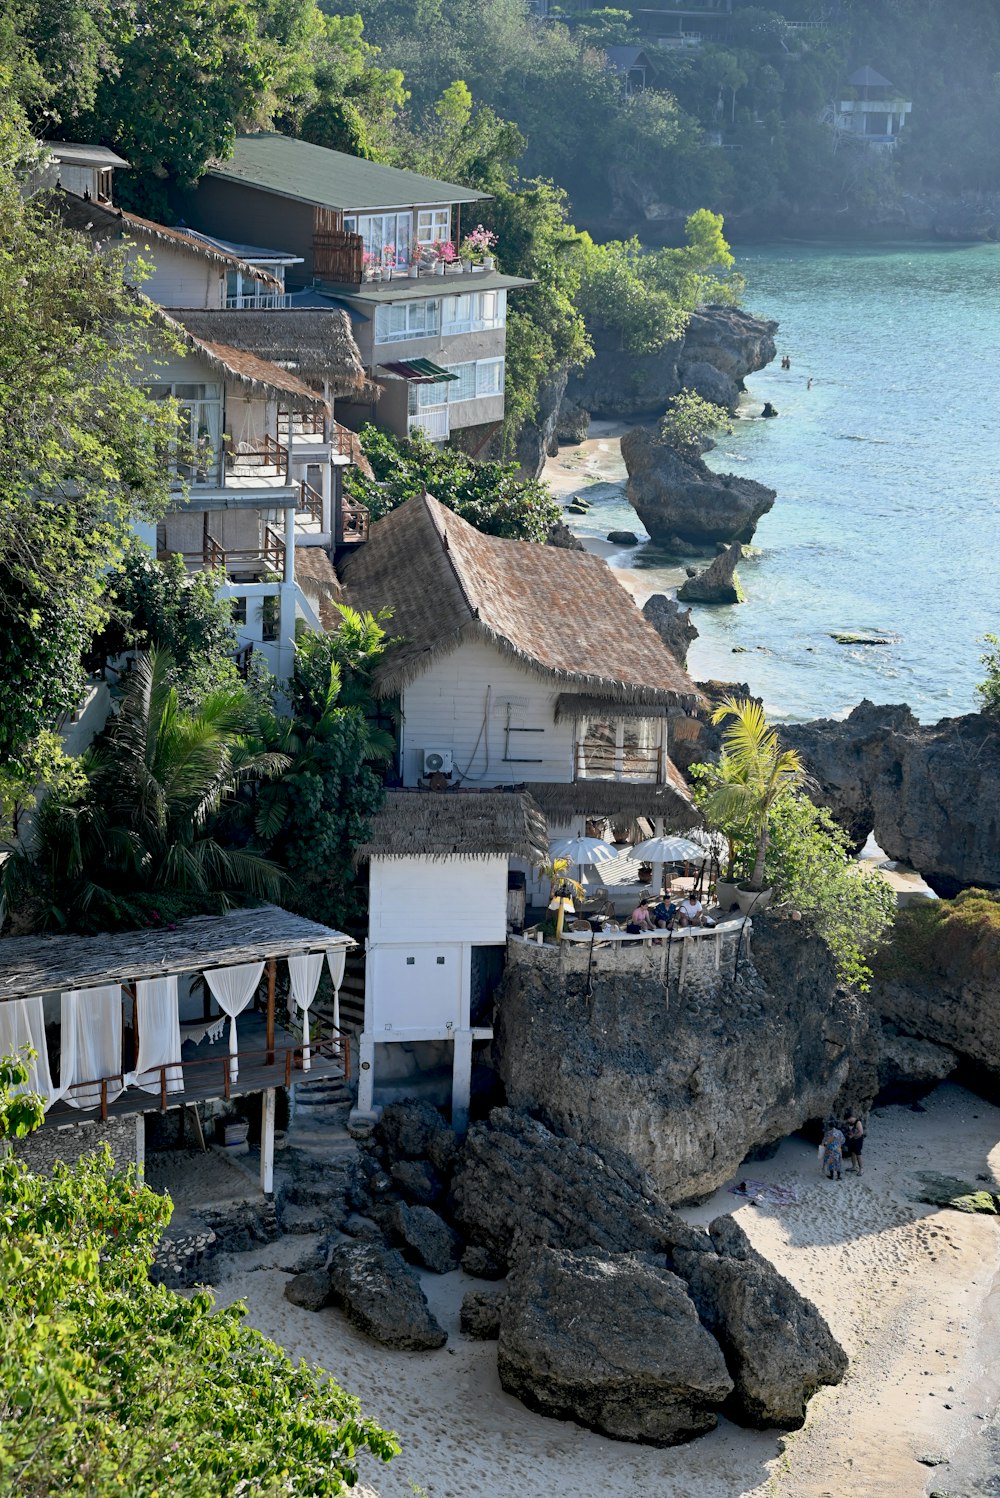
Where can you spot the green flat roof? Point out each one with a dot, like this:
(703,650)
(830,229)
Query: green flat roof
(312,174)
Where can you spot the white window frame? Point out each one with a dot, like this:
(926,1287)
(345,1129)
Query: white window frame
(433,225)
(468,386)
(200,408)
(489,378)
(378,229)
(420,318)
(484,310)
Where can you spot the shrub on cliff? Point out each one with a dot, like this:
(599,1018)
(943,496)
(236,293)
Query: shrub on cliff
(989,688)
(957,938)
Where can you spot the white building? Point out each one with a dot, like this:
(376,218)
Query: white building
(437,936)
(874,112)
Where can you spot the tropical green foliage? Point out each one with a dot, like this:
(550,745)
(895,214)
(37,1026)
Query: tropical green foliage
(141,837)
(989,688)
(155,605)
(112,1387)
(81,456)
(958,940)
(489,496)
(690,421)
(313,818)
(756,772)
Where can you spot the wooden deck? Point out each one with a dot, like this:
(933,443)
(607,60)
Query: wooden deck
(205,1072)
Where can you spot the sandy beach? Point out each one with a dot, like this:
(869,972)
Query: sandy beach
(906,1289)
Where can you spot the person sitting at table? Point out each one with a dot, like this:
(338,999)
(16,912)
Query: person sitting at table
(664,912)
(640,919)
(692,912)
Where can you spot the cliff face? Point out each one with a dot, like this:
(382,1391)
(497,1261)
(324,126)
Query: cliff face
(720,347)
(686,1077)
(928,792)
(678,498)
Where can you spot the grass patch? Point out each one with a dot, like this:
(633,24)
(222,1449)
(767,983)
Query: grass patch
(957,938)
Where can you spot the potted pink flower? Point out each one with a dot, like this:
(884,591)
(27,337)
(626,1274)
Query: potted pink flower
(447,256)
(477,248)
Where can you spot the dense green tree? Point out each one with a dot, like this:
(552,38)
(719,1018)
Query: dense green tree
(989,687)
(113,1387)
(491,496)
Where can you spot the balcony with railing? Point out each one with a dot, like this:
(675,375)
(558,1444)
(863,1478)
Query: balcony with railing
(239,563)
(257,301)
(432,421)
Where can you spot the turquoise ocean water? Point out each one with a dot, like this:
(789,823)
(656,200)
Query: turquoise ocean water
(887,517)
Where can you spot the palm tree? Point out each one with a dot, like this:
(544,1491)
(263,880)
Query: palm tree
(147,821)
(754,772)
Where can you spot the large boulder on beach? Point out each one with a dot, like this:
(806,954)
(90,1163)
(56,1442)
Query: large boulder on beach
(520,1184)
(424,1237)
(380,1295)
(678,497)
(672,624)
(718,583)
(778,1348)
(414,1130)
(310,1290)
(611,1341)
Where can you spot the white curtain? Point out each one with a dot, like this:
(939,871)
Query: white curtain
(336,960)
(304,973)
(22,1024)
(234,987)
(159,1036)
(91,1045)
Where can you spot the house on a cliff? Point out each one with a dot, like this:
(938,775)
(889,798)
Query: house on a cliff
(871,110)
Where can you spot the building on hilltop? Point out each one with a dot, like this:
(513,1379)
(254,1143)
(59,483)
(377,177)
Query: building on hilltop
(385,244)
(632,66)
(870,110)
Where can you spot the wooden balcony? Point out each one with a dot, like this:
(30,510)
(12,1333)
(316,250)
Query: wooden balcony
(238,562)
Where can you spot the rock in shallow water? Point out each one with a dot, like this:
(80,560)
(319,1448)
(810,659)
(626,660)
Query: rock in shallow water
(718,583)
(679,496)
(611,1341)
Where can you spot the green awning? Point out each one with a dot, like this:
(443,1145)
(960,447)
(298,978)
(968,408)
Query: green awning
(419,371)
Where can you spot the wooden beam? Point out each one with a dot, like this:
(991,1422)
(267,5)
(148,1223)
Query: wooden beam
(272,973)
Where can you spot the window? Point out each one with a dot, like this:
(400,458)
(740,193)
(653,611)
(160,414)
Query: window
(402,320)
(433,225)
(199,430)
(464,388)
(385,236)
(475,381)
(489,377)
(474,312)
(622,749)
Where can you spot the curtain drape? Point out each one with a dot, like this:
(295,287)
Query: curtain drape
(22,1024)
(304,973)
(233,988)
(159,1036)
(336,960)
(91,1045)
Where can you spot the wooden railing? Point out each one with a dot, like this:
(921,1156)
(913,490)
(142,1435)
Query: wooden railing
(311,501)
(270,553)
(338,256)
(326,1044)
(264,451)
(354,522)
(301,424)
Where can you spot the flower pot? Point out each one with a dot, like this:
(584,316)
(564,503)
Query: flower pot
(488,262)
(440,268)
(726,893)
(466,266)
(752,901)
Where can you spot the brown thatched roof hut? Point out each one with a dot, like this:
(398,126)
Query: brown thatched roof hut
(561,614)
(457,824)
(247,369)
(317,343)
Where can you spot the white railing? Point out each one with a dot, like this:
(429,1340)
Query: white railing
(433,423)
(250,299)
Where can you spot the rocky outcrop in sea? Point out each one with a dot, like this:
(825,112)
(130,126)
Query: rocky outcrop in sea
(681,502)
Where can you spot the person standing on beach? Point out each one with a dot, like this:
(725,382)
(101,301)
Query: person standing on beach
(833,1150)
(855,1142)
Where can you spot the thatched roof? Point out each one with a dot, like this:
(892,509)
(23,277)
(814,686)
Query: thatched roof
(45,964)
(101,222)
(316,343)
(315,576)
(587,705)
(247,369)
(457,824)
(560,613)
(613,798)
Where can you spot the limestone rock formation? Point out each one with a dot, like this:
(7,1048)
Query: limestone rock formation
(678,497)
(572,423)
(718,583)
(416,1131)
(623,538)
(560,535)
(685,1079)
(417,1181)
(481,1264)
(310,1290)
(909,1068)
(777,1346)
(733,341)
(611,1341)
(519,1184)
(672,624)
(537,439)
(929,792)
(381,1296)
(425,1238)
(479,1317)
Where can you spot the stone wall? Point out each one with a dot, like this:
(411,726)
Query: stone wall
(70,1142)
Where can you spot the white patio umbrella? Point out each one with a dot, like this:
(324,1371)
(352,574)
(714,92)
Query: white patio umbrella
(668,850)
(582,850)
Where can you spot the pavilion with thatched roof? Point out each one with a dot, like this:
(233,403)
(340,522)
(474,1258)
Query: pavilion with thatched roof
(315,343)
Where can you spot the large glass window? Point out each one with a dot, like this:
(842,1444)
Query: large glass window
(489,377)
(198,454)
(385,236)
(402,320)
(433,225)
(475,380)
(474,312)
(622,749)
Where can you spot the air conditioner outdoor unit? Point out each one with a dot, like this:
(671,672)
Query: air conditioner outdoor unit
(437,762)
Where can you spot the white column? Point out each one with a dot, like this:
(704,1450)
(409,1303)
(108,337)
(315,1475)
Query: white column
(461,1081)
(267,1142)
(289,546)
(140,1144)
(326,489)
(659,830)
(366,1075)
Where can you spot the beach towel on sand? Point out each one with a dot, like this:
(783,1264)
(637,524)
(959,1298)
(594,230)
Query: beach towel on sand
(766,1191)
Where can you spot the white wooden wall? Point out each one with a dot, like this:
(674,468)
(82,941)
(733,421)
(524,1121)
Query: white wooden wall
(421,901)
(446,708)
(422,987)
(180,279)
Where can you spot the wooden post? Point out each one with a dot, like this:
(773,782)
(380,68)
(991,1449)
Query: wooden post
(267,1142)
(272,972)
